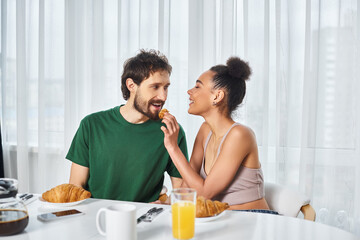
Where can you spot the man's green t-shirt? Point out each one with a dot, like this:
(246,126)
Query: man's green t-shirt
(126,161)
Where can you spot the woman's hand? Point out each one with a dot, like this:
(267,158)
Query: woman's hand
(171,131)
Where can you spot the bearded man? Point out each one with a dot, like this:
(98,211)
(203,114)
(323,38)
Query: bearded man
(119,153)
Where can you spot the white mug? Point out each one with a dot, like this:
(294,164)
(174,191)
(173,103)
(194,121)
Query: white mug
(120,221)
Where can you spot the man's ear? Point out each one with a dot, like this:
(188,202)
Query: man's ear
(131,85)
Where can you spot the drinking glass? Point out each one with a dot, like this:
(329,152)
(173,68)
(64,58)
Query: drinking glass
(183,201)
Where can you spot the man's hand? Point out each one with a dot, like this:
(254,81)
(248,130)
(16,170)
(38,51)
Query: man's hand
(176,183)
(167,202)
(79,175)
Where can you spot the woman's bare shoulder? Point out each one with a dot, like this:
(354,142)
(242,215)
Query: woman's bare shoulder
(243,132)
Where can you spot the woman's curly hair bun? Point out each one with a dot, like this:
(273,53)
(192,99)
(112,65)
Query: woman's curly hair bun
(238,68)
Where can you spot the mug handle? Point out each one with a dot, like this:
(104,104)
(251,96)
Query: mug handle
(98,226)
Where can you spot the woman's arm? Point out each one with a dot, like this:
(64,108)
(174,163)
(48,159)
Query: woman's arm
(198,150)
(226,166)
(170,141)
(197,154)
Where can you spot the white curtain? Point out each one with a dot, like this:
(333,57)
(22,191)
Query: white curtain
(61,60)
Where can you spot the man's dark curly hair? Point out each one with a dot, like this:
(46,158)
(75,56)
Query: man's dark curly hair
(141,66)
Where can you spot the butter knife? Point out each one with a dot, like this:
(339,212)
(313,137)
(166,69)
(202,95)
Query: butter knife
(150,215)
(153,215)
(144,216)
(27,198)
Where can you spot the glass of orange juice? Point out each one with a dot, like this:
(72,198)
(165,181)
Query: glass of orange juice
(183,202)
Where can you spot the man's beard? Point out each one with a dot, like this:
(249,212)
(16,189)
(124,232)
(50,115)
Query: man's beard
(143,107)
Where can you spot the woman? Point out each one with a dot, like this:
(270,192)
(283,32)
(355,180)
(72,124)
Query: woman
(224,164)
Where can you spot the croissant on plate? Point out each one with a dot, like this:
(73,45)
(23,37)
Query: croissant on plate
(65,193)
(208,208)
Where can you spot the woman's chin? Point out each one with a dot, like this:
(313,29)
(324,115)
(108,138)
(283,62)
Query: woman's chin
(192,112)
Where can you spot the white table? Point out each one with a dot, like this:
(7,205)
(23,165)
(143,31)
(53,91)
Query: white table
(233,225)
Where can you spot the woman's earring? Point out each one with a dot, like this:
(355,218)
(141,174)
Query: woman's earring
(214,103)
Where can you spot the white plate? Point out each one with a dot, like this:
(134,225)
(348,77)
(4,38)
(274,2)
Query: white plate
(208,219)
(50,204)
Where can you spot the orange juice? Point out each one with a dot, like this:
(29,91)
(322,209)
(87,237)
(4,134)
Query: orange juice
(183,219)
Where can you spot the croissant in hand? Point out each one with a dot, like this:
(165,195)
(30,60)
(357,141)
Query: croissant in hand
(162,112)
(208,208)
(66,193)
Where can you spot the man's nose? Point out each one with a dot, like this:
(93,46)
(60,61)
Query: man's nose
(162,95)
(189,91)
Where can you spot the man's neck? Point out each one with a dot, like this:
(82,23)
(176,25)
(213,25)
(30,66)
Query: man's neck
(131,115)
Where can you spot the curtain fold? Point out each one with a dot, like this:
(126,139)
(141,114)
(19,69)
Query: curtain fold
(22,95)
(62,60)
(1,158)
